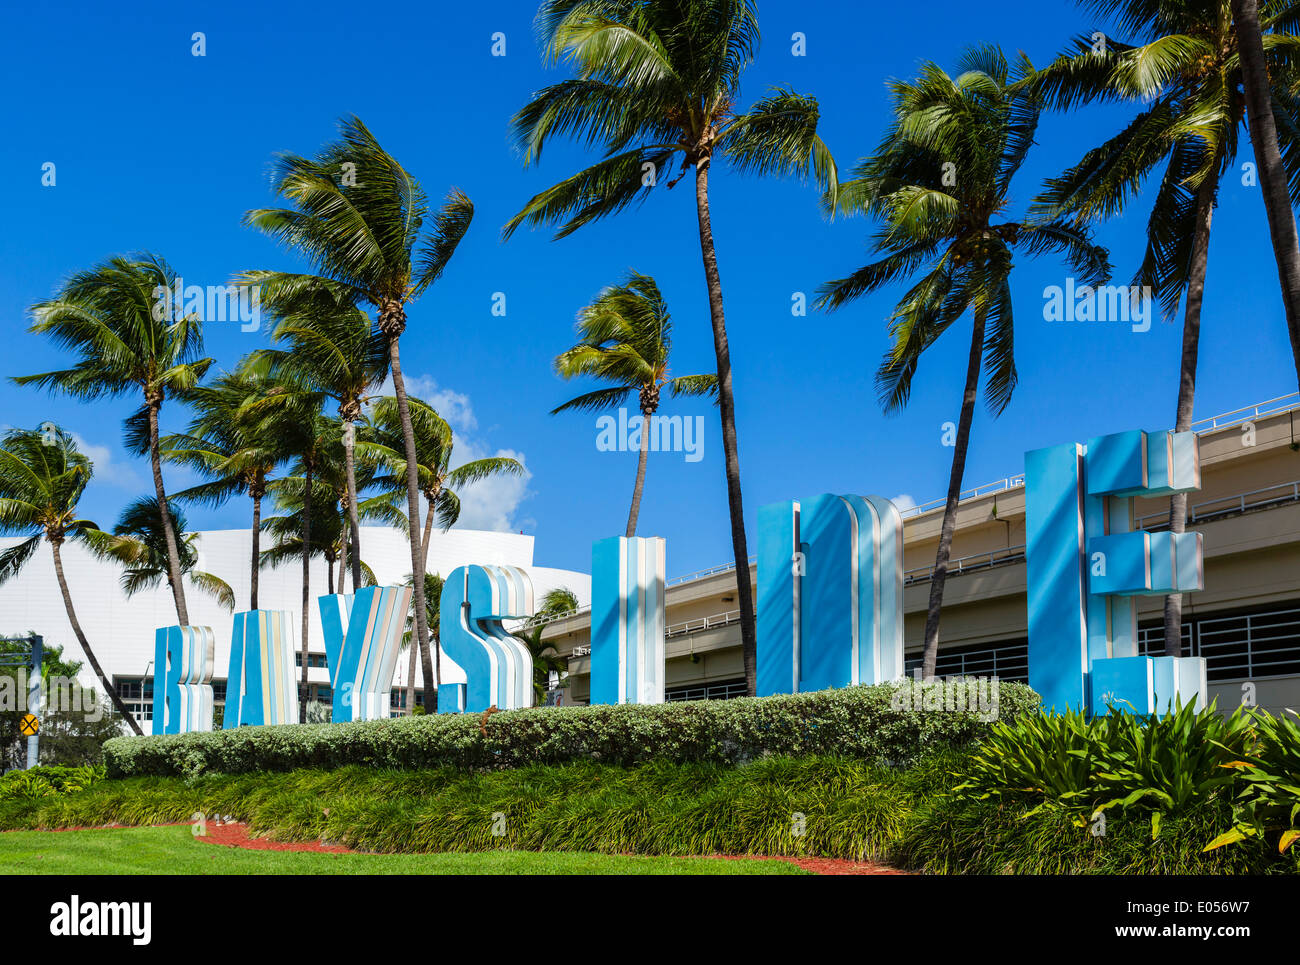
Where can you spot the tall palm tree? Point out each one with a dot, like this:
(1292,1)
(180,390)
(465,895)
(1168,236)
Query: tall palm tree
(359,220)
(384,451)
(130,335)
(42,477)
(433,609)
(1249,31)
(236,451)
(334,347)
(1184,73)
(138,542)
(658,82)
(625,337)
(954,232)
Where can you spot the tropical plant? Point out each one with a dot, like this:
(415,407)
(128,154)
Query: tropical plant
(1269,802)
(42,477)
(235,450)
(1268,155)
(556,601)
(625,338)
(130,335)
(546,660)
(1184,75)
(384,452)
(658,81)
(940,185)
(138,542)
(335,348)
(359,220)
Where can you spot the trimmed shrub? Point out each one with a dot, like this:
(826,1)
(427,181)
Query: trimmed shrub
(881,724)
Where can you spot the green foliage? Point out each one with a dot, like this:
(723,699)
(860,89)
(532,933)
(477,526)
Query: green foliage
(854,722)
(43,782)
(1139,763)
(1269,803)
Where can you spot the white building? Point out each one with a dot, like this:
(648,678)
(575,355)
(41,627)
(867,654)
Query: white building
(121,628)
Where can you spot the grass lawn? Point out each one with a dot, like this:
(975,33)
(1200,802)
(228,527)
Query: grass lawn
(173,850)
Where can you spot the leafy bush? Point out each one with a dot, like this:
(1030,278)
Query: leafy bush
(880,724)
(1129,761)
(1269,802)
(42,782)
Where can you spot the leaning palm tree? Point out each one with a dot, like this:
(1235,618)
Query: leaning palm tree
(359,220)
(1184,77)
(334,347)
(139,543)
(658,82)
(1249,28)
(953,231)
(235,451)
(131,336)
(383,452)
(42,477)
(625,337)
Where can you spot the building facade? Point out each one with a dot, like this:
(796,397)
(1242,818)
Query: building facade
(1246,622)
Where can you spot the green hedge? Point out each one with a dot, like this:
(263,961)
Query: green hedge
(878,724)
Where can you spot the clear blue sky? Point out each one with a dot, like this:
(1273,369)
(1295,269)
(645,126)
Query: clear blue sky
(157,149)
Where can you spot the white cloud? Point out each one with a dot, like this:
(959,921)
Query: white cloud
(107,468)
(492,504)
(453,406)
(904,502)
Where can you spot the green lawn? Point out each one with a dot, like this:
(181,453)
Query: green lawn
(173,850)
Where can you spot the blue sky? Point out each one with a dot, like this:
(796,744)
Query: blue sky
(158,149)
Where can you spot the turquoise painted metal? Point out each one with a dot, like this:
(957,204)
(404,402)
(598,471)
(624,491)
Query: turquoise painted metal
(498,668)
(627,620)
(260,685)
(363,637)
(830,593)
(182,690)
(1086,564)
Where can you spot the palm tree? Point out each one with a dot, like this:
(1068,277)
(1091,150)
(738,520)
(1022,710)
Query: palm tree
(1186,76)
(130,335)
(334,347)
(138,542)
(432,613)
(625,337)
(1264,136)
(658,81)
(384,451)
(952,229)
(42,477)
(359,221)
(557,601)
(235,451)
(545,660)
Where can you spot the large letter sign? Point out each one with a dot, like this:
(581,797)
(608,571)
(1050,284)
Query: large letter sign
(1086,564)
(363,637)
(498,667)
(260,688)
(830,593)
(627,620)
(182,687)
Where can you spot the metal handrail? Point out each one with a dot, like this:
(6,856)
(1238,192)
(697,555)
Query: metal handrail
(988,489)
(708,571)
(965,564)
(700,624)
(1237,504)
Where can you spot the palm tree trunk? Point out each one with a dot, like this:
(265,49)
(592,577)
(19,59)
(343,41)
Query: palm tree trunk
(343,559)
(306,588)
(431,706)
(412,510)
(1272,177)
(727,409)
(169,528)
(85,644)
(354,519)
(257,549)
(646,415)
(940,576)
(1205,199)
(410,679)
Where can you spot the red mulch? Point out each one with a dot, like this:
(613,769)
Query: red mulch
(234,834)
